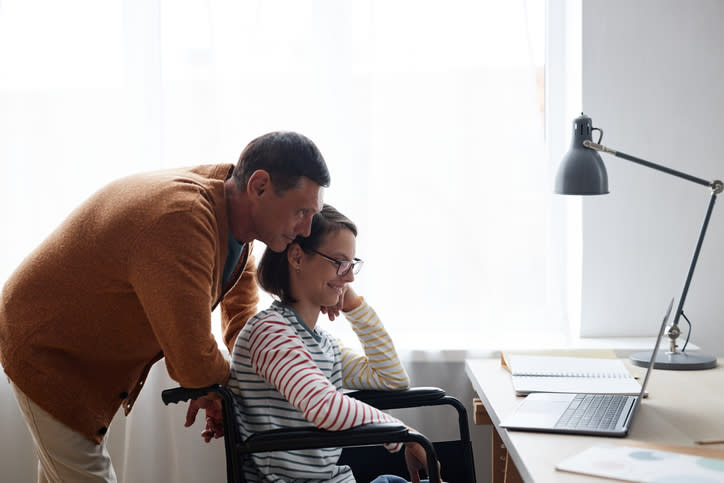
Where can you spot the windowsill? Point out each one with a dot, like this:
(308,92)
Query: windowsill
(454,346)
(450,347)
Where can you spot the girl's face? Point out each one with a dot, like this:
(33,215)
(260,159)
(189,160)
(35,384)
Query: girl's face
(317,282)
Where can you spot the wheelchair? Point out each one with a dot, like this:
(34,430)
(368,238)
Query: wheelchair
(362,449)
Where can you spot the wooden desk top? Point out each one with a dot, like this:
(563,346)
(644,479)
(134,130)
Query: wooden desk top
(682,407)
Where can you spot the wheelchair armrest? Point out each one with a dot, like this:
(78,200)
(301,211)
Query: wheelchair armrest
(367,434)
(415,397)
(311,437)
(402,398)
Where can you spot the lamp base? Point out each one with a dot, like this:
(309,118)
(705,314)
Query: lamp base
(680,361)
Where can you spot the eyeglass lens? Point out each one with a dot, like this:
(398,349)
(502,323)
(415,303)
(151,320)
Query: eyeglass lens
(344,267)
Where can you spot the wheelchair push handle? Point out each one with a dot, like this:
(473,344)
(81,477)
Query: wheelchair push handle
(181,394)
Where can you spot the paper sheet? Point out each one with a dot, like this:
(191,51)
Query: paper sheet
(637,464)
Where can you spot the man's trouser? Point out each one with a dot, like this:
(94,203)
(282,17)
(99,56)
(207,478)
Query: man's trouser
(63,455)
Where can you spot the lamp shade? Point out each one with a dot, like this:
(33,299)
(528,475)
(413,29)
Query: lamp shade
(582,171)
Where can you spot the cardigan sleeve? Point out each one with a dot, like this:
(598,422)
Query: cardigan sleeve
(171,270)
(240,303)
(379,367)
(278,355)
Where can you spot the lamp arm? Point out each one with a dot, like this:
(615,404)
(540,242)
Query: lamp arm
(716,188)
(692,266)
(649,164)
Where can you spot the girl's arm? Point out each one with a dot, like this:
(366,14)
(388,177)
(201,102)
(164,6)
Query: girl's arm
(379,367)
(278,355)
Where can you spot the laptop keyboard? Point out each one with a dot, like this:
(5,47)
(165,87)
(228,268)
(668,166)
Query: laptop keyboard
(593,411)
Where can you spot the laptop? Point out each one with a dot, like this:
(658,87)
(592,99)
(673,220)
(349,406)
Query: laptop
(590,414)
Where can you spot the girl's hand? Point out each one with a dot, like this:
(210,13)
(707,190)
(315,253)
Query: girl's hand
(332,311)
(347,301)
(416,460)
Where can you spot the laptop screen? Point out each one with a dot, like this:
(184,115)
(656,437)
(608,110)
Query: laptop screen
(653,354)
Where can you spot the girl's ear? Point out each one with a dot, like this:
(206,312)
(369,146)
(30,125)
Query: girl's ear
(294,255)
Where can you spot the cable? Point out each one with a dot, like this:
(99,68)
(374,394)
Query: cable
(686,342)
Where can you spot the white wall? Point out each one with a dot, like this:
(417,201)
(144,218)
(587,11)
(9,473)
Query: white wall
(652,80)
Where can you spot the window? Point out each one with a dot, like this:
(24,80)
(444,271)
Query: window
(430,115)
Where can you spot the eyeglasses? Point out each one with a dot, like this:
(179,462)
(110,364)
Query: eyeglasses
(344,266)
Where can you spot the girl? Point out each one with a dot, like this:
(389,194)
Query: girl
(288,372)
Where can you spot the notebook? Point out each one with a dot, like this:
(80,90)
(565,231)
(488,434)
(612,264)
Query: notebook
(550,373)
(607,414)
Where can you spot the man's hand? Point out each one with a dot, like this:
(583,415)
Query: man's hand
(214,417)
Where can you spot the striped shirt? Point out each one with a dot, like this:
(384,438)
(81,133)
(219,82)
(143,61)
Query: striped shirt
(287,375)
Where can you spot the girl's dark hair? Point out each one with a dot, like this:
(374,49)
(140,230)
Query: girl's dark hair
(273,271)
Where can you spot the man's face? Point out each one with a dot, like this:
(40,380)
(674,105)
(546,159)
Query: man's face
(279,219)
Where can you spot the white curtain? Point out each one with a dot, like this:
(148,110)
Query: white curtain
(427,112)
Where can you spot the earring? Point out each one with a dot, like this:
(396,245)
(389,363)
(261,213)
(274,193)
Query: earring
(298,269)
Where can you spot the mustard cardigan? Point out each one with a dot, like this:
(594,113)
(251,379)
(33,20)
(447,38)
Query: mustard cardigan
(129,277)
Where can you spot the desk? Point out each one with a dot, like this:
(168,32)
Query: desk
(682,407)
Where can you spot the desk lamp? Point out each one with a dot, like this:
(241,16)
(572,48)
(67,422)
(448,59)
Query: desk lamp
(582,172)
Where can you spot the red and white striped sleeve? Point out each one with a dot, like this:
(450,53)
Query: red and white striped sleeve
(278,355)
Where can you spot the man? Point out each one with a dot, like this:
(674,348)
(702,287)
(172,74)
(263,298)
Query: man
(132,276)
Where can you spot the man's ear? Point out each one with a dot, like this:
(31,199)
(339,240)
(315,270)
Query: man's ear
(258,183)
